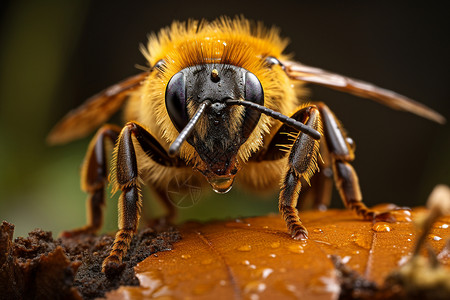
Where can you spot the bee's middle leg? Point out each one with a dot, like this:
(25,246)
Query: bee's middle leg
(341,152)
(94,179)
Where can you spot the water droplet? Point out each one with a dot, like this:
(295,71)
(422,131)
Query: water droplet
(245,262)
(317,230)
(381,227)
(253,267)
(221,184)
(254,287)
(273,255)
(185,256)
(346,259)
(296,248)
(445,226)
(401,215)
(244,248)
(275,245)
(153,280)
(435,237)
(288,289)
(363,241)
(223,282)
(266,272)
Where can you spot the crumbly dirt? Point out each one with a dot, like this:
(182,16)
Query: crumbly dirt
(41,267)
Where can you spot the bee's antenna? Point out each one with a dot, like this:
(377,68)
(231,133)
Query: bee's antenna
(174,149)
(279,116)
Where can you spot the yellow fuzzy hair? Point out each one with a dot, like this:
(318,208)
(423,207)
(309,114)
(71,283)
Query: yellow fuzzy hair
(226,41)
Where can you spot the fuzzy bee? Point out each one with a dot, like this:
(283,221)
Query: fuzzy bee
(222,99)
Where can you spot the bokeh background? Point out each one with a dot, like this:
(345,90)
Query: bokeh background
(55,54)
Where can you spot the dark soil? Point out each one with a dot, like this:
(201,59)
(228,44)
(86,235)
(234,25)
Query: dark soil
(40,267)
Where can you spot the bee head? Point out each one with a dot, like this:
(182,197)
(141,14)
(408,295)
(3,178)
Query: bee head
(221,129)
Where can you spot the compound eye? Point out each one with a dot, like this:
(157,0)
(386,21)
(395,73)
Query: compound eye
(254,93)
(176,101)
(253,89)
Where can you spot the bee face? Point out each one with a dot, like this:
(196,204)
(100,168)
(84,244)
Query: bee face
(223,128)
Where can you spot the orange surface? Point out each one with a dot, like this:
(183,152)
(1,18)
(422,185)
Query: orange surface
(254,258)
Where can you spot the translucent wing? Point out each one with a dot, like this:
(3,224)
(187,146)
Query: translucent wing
(298,71)
(94,112)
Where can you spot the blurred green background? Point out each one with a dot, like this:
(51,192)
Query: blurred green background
(55,54)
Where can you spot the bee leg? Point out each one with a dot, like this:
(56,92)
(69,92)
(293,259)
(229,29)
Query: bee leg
(94,179)
(127,179)
(341,151)
(302,163)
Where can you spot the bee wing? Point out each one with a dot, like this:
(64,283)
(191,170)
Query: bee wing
(298,71)
(94,112)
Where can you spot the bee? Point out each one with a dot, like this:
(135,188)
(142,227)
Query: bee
(222,99)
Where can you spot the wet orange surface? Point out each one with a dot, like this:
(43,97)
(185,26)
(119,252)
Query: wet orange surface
(254,258)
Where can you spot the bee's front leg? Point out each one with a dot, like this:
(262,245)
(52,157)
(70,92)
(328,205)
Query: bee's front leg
(127,180)
(302,163)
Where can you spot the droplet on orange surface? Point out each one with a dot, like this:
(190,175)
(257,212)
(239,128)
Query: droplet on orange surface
(362,240)
(296,248)
(435,237)
(381,227)
(254,287)
(346,259)
(269,264)
(262,273)
(244,248)
(401,215)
